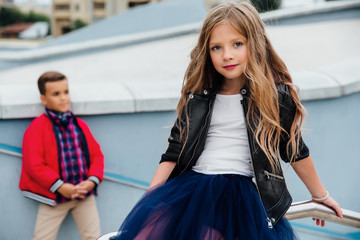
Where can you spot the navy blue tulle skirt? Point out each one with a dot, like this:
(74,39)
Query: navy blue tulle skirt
(202,207)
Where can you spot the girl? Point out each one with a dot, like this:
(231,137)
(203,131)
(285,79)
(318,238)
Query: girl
(237,115)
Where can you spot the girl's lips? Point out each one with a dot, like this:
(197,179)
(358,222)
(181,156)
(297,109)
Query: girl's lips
(229,67)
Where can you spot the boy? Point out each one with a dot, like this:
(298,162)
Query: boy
(62,164)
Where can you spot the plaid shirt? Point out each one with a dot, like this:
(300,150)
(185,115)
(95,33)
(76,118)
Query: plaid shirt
(73,164)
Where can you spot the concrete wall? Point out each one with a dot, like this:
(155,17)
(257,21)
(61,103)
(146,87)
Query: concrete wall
(133,143)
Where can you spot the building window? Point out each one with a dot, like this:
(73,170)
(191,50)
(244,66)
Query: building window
(137,3)
(98,5)
(77,7)
(62,7)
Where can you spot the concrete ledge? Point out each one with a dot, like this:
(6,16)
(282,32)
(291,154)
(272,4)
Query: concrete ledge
(101,98)
(347,74)
(315,85)
(23,101)
(125,40)
(155,96)
(19,101)
(332,81)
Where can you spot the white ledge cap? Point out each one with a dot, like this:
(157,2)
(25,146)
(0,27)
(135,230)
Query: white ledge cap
(23,100)
(332,81)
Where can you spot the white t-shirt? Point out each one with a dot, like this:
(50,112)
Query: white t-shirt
(227,147)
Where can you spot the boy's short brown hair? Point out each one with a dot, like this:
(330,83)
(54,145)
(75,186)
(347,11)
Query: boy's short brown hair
(49,77)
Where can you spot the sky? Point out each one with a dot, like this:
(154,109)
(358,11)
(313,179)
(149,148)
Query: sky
(42,2)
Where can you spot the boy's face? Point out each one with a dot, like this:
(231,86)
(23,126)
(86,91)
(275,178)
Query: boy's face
(56,96)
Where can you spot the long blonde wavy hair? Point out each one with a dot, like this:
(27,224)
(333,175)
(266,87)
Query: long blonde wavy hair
(263,68)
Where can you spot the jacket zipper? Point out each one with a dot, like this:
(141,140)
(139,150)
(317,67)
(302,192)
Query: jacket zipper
(197,140)
(268,220)
(272,175)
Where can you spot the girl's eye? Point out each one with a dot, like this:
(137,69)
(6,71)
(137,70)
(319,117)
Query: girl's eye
(215,48)
(238,44)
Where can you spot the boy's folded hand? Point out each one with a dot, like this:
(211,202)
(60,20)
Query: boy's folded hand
(80,192)
(66,190)
(87,185)
(82,189)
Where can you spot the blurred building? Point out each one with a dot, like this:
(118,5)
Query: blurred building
(88,11)
(6,3)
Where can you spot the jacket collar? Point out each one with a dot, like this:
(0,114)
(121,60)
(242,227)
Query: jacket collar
(211,92)
(245,92)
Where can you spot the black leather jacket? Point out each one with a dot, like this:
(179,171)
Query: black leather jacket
(271,187)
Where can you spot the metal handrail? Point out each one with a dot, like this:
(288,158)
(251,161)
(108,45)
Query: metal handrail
(318,210)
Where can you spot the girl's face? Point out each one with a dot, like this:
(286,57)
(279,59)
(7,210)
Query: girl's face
(228,51)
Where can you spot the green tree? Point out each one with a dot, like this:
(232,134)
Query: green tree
(10,16)
(36,17)
(77,24)
(266,5)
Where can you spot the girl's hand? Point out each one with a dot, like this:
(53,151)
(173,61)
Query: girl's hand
(330,202)
(305,169)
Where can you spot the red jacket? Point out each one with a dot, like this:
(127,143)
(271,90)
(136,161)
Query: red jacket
(40,161)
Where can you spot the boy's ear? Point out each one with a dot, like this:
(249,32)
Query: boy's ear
(43,99)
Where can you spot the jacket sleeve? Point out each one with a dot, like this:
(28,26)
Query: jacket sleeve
(33,157)
(287,114)
(174,148)
(96,168)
